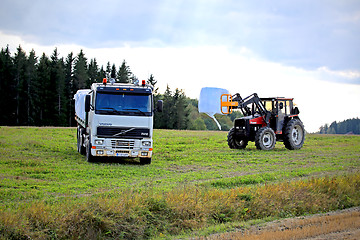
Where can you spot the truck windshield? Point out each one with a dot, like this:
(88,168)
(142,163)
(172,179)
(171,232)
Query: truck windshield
(123,104)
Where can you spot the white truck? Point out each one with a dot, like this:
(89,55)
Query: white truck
(116,120)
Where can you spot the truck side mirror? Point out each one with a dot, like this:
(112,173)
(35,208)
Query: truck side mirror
(159,106)
(87,103)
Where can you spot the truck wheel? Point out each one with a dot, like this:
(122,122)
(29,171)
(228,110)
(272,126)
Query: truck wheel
(294,135)
(145,161)
(80,133)
(265,139)
(236,142)
(89,157)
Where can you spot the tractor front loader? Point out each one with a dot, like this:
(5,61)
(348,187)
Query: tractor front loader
(264,121)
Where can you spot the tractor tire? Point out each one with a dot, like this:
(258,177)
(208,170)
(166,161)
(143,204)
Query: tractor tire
(265,139)
(80,141)
(294,134)
(236,142)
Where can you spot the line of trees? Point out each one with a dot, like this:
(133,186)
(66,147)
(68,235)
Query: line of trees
(38,91)
(349,126)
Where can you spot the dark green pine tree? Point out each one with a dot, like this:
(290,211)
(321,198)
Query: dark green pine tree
(7,88)
(113,71)
(80,71)
(124,73)
(180,113)
(43,75)
(102,74)
(57,90)
(108,69)
(69,89)
(157,97)
(168,117)
(20,81)
(153,83)
(32,91)
(93,72)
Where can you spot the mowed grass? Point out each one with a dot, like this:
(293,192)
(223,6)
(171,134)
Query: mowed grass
(195,181)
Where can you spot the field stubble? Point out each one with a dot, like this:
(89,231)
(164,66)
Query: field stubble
(48,190)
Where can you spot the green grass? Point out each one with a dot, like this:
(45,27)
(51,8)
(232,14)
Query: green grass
(41,171)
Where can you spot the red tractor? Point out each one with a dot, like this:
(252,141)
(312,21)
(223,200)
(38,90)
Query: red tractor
(265,121)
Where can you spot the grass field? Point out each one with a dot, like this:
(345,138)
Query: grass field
(195,185)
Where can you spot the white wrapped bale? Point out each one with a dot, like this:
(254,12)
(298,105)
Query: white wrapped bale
(80,103)
(209,102)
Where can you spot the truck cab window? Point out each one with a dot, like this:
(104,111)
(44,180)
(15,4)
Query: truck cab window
(123,104)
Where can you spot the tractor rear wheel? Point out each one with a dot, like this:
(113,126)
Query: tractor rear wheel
(235,142)
(294,135)
(265,139)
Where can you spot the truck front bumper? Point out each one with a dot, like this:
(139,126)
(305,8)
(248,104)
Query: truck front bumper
(122,148)
(121,153)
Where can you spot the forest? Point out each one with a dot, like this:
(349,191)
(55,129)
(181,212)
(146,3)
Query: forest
(348,126)
(39,91)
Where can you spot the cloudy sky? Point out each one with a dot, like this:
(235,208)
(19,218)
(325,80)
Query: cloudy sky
(309,50)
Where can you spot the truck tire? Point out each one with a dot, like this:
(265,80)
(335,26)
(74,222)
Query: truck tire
(145,161)
(294,134)
(265,139)
(89,157)
(236,142)
(80,140)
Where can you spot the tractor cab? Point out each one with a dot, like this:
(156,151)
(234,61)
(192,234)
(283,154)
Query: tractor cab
(281,109)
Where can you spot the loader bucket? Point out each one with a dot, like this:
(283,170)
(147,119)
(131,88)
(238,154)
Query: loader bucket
(227,103)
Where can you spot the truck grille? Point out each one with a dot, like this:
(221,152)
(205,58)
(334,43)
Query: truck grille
(122,144)
(123,132)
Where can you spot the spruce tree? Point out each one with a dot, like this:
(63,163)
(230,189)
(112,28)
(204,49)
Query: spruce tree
(32,88)
(20,87)
(113,72)
(153,83)
(7,88)
(102,74)
(56,93)
(93,72)
(108,69)
(124,73)
(43,75)
(80,71)
(69,89)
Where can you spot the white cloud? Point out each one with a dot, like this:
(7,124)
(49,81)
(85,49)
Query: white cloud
(191,68)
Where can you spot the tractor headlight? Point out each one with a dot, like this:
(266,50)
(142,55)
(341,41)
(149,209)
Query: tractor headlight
(146,143)
(99,142)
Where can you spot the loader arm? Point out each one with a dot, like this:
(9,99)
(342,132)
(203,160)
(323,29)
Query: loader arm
(230,102)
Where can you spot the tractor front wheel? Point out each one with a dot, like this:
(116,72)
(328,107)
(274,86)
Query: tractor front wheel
(265,139)
(294,135)
(235,142)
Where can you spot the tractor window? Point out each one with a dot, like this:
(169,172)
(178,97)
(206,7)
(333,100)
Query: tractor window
(281,107)
(268,105)
(287,108)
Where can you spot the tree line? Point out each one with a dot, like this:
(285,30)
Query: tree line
(349,126)
(39,91)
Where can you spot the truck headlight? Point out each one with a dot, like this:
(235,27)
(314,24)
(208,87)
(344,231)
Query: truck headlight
(146,143)
(99,142)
